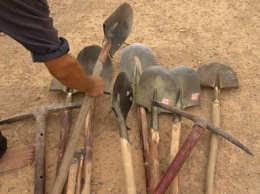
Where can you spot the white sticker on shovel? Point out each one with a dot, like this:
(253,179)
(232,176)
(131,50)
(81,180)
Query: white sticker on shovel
(195,96)
(166,101)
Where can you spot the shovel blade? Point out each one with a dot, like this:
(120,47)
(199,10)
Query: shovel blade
(188,80)
(118,25)
(57,86)
(217,74)
(156,77)
(122,96)
(88,57)
(134,55)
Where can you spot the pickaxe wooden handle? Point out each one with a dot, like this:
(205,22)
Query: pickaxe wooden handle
(40,113)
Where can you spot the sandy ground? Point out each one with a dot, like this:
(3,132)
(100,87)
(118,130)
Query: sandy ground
(178,32)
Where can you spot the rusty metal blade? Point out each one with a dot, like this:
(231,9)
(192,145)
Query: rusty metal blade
(136,55)
(88,57)
(217,74)
(118,25)
(161,79)
(57,86)
(123,90)
(188,80)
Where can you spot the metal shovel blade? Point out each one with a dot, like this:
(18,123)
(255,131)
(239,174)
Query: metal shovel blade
(217,74)
(57,86)
(118,26)
(188,80)
(122,96)
(134,55)
(156,77)
(88,57)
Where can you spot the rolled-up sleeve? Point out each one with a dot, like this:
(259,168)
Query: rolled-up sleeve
(61,50)
(29,23)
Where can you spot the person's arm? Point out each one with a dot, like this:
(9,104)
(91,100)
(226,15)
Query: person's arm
(69,72)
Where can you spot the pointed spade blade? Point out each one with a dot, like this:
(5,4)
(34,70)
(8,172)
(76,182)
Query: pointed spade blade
(118,26)
(217,74)
(122,96)
(88,57)
(188,80)
(134,56)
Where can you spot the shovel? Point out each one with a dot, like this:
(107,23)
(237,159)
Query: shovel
(188,82)
(134,59)
(217,76)
(87,57)
(116,29)
(155,83)
(122,98)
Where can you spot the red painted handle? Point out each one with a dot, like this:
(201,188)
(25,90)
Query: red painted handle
(179,160)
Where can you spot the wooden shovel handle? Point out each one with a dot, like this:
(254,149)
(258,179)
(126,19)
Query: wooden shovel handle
(142,121)
(88,151)
(128,166)
(79,175)
(64,135)
(154,158)
(179,160)
(213,151)
(126,153)
(72,177)
(175,145)
(79,126)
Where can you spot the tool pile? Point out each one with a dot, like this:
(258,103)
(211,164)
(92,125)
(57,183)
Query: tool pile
(156,90)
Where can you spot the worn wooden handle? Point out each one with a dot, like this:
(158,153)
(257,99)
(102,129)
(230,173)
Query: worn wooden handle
(88,151)
(79,126)
(79,175)
(72,177)
(175,145)
(179,160)
(64,135)
(128,166)
(144,138)
(154,158)
(213,151)
(71,147)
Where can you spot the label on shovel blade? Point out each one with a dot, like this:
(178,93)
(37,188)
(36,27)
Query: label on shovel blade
(166,101)
(195,96)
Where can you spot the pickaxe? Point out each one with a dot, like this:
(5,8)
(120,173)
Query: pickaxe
(40,113)
(200,124)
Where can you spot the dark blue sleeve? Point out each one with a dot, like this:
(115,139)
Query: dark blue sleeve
(29,23)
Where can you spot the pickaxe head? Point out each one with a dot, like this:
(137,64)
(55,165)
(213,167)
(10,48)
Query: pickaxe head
(40,110)
(206,124)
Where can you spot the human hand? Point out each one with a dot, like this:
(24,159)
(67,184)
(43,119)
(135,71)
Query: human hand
(96,86)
